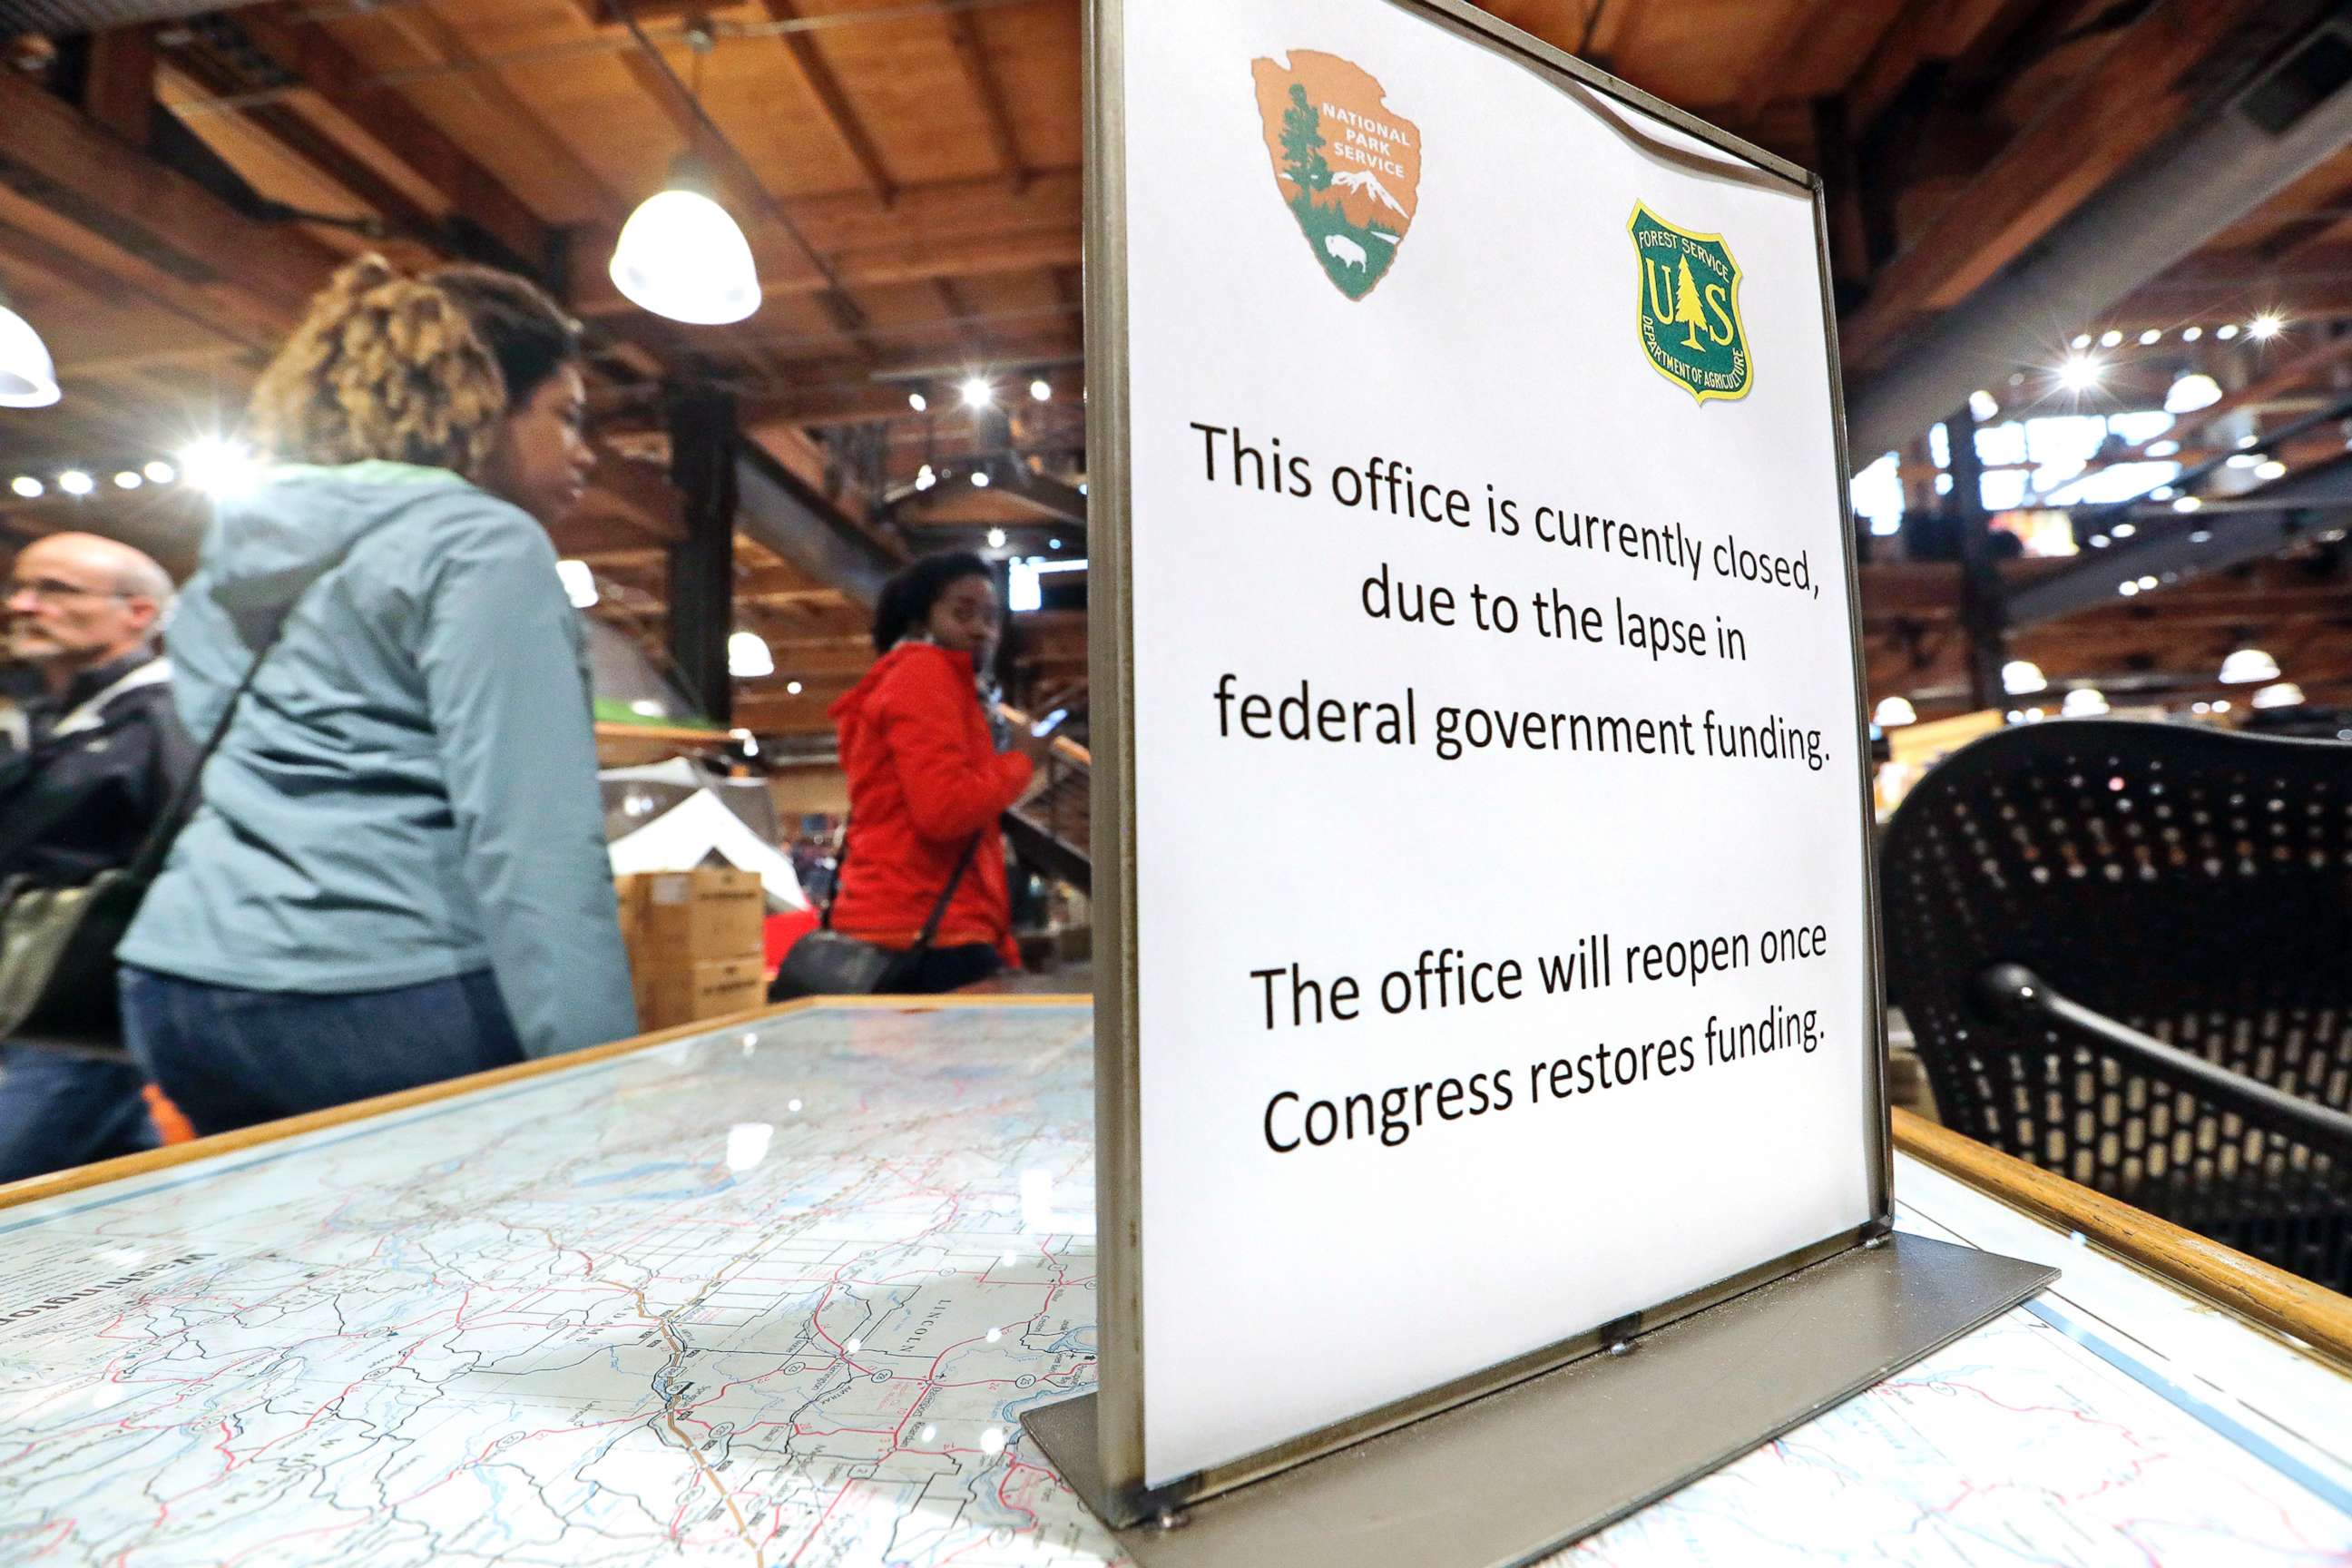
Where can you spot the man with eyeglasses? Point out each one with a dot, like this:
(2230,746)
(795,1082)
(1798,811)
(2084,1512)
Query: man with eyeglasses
(97,756)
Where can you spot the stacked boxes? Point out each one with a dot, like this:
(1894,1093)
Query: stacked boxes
(694,941)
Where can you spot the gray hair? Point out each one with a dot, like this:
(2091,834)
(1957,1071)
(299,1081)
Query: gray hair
(137,576)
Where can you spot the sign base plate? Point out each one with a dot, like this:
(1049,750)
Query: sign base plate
(1508,1477)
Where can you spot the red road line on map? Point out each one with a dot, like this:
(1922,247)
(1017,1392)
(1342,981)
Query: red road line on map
(1011,1465)
(835,1503)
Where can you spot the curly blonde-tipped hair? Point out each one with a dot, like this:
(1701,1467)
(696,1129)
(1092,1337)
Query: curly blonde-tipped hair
(413,370)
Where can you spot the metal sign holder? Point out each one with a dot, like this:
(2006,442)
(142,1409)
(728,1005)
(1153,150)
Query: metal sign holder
(1507,1465)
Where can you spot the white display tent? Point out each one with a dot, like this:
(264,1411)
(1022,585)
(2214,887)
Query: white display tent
(699,829)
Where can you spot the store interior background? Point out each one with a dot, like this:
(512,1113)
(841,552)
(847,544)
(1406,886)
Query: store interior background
(2132,502)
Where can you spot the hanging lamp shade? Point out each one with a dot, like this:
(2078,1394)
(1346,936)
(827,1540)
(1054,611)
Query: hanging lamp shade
(2247,666)
(683,256)
(29,376)
(749,657)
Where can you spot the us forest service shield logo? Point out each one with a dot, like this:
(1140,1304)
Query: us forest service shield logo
(1347,166)
(1686,301)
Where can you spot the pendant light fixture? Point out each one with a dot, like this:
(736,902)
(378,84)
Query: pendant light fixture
(681,255)
(29,376)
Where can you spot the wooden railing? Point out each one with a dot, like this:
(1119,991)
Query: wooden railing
(2318,1318)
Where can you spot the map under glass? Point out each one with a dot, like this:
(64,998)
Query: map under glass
(779,1296)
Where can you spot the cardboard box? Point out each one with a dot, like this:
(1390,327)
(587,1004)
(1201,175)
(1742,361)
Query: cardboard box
(694,917)
(625,890)
(668,996)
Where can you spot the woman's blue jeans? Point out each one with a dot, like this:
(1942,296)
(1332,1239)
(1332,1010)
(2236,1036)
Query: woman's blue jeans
(229,1059)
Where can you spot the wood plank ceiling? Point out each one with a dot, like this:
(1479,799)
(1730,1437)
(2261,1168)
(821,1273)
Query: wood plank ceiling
(910,174)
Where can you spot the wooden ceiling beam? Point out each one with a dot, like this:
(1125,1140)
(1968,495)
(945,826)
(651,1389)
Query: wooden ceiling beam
(308,51)
(791,598)
(119,91)
(945,213)
(1783,42)
(2115,111)
(959,315)
(768,582)
(593,535)
(972,54)
(823,375)
(862,403)
(33,237)
(809,64)
(250,279)
(951,228)
(2242,267)
(326,156)
(442,46)
(784,273)
(637,493)
(1926,33)
(942,210)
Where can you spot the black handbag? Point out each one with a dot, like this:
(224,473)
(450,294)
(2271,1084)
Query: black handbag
(57,944)
(824,962)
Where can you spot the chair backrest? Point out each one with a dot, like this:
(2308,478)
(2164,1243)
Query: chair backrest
(2193,884)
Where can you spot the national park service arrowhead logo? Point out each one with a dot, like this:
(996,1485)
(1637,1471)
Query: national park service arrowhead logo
(1687,302)
(1347,167)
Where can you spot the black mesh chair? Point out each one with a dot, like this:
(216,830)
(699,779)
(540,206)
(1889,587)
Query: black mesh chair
(2125,952)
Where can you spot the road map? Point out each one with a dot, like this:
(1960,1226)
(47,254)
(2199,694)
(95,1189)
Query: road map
(779,1297)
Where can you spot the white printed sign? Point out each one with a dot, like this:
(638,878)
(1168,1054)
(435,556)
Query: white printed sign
(1501,917)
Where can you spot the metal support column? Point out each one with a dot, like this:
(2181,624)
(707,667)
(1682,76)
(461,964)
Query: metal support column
(703,443)
(1983,611)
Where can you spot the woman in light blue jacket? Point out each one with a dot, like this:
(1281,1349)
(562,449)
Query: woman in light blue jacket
(398,874)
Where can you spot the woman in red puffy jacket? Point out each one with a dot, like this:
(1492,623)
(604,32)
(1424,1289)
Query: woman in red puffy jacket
(931,767)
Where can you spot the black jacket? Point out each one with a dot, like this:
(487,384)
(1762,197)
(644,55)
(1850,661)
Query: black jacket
(99,770)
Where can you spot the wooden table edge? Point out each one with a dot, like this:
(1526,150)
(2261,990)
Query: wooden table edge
(34,1189)
(2316,1319)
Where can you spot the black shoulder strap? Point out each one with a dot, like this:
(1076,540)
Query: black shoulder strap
(175,817)
(160,838)
(938,909)
(947,894)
